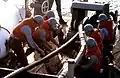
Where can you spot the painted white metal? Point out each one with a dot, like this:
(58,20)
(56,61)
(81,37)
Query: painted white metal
(45,7)
(86,5)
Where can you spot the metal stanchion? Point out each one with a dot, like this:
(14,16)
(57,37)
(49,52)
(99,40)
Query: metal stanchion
(71,65)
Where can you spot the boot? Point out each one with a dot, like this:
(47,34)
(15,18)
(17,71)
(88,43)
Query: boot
(61,21)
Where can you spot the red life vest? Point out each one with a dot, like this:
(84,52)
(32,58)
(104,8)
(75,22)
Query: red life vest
(96,35)
(109,26)
(46,28)
(48,32)
(36,34)
(45,18)
(94,51)
(17,31)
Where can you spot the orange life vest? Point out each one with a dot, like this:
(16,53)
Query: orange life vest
(109,26)
(17,31)
(94,51)
(96,35)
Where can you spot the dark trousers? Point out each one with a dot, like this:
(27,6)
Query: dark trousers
(58,6)
(106,54)
(85,73)
(16,46)
(107,48)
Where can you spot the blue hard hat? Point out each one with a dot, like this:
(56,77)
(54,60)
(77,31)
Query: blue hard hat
(50,14)
(90,42)
(38,19)
(88,28)
(53,23)
(102,17)
(104,31)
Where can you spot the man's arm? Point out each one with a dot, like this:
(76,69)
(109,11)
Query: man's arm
(54,41)
(42,35)
(28,34)
(46,45)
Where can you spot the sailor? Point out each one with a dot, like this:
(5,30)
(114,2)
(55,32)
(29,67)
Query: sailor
(90,67)
(104,22)
(93,49)
(59,33)
(48,15)
(42,36)
(94,33)
(51,25)
(22,33)
(44,33)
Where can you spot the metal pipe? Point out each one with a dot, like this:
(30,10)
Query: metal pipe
(82,39)
(41,60)
(6,69)
(64,71)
